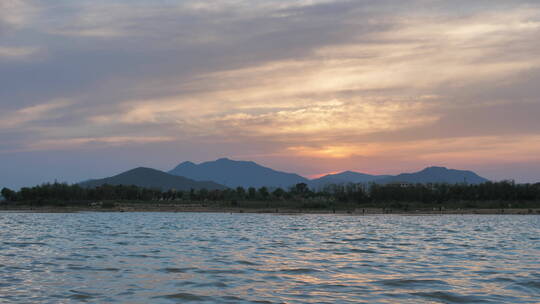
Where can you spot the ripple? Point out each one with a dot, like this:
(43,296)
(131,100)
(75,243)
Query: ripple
(449,297)
(412,283)
(184,296)
(533,285)
(243,262)
(356,250)
(362,239)
(211,284)
(24,244)
(258,258)
(177,270)
(299,270)
(82,296)
(220,271)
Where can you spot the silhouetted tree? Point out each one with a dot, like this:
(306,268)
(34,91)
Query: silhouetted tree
(252,193)
(300,188)
(241,192)
(263,192)
(278,193)
(9,194)
(490,194)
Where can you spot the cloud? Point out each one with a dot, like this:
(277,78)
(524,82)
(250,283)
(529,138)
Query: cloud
(17,52)
(333,80)
(467,150)
(21,117)
(16,13)
(85,142)
(393,79)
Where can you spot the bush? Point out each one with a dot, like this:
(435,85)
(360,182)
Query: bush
(108,205)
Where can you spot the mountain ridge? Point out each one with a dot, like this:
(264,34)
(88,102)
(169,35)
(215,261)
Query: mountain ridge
(224,172)
(237,173)
(152,178)
(437,174)
(343,178)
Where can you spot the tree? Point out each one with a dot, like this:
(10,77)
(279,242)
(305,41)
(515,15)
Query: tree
(301,188)
(9,194)
(252,193)
(240,192)
(263,192)
(278,193)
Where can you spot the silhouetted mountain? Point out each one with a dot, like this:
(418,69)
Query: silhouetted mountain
(436,175)
(151,178)
(344,178)
(249,174)
(234,173)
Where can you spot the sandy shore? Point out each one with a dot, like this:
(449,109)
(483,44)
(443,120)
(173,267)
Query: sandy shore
(201,208)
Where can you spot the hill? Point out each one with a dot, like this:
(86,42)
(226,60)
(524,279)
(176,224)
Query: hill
(151,178)
(436,175)
(232,173)
(344,178)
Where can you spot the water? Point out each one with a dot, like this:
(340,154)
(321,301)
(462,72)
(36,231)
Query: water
(255,258)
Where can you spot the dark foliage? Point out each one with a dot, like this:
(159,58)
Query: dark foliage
(390,196)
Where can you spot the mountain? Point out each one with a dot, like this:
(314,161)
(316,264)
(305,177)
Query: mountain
(436,175)
(234,173)
(344,178)
(151,178)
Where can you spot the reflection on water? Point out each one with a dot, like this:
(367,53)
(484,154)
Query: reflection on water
(247,258)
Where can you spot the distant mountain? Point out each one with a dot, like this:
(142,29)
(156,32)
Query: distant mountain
(344,178)
(232,173)
(436,175)
(151,178)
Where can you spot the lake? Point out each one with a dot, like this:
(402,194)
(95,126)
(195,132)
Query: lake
(265,258)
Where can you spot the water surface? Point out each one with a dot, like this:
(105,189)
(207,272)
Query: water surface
(262,258)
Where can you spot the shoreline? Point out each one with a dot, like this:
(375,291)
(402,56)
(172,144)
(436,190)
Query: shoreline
(281,211)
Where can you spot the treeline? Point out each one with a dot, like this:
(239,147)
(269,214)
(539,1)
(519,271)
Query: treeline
(72,193)
(373,194)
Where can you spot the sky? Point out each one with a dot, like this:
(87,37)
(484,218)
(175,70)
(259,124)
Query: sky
(91,88)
